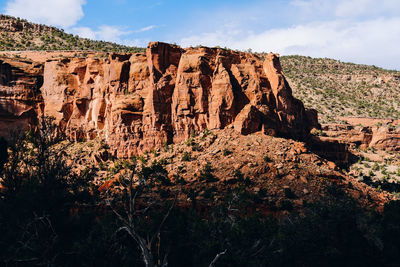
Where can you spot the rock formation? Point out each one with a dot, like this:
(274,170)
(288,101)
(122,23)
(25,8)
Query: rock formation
(140,101)
(20,83)
(379,137)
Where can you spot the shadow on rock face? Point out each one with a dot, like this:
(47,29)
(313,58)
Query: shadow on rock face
(334,151)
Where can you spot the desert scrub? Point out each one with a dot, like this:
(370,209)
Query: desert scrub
(226,152)
(206,174)
(289,193)
(267,159)
(186,156)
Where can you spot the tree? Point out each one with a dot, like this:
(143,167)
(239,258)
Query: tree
(39,191)
(3,153)
(142,185)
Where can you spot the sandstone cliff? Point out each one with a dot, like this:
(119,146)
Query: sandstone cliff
(140,101)
(357,135)
(20,96)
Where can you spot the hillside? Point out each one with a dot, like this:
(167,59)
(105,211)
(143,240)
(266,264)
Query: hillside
(19,35)
(338,89)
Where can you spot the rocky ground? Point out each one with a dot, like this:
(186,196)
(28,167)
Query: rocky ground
(281,174)
(376,143)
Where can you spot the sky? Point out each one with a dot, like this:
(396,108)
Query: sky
(359,31)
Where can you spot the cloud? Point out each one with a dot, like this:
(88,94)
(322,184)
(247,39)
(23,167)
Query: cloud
(145,29)
(84,32)
(63,13)
(368,42)
(111,33)
(108,33)
(156,4)
(351,8)
(104,32)
(347,8)
(360,31)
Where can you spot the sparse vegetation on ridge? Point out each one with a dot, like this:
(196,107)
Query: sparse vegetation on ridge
(20,35)
(336,89)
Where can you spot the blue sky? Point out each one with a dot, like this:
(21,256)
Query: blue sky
(360,31)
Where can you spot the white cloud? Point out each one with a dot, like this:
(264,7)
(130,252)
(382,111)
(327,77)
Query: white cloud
(353,8)
(110,34)
(64,13)
(360,31)
(347,8)
(369,42)
(84,32)
(145,29)
(136,42)
(104,32)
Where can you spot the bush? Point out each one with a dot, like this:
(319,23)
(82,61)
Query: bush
(267,159)
(186,156)
(3,153)
(289,193)
(39,193)
(226,152)
(206,173)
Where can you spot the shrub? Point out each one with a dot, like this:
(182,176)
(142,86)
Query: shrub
(286,205)
(186,156)
(289,193)
(226,152)
(267,159)
(375,167)
(206,174)
(142,159)
(3,153)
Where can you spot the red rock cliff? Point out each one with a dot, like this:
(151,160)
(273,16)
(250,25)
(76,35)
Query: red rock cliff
(20,83)
(140,101)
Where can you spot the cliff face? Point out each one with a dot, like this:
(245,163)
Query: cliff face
(140,101)
(20,97)
(378,137)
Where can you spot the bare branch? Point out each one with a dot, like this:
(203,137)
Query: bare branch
(165,260)
(219,255)
(163,221)
(120,217)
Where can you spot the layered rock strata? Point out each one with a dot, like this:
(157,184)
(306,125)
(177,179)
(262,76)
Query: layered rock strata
(378,137)
(137,102)
(20,95)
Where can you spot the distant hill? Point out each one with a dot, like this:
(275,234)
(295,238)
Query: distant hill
(19,35)
(339,89)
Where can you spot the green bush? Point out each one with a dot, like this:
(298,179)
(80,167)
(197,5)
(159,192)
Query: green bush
(186,156)
(226,152)
(206,174)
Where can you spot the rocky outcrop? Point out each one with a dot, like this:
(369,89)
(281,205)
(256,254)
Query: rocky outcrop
(10,24)
(140,101)
(380,137)
(20,83)
(385,138)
